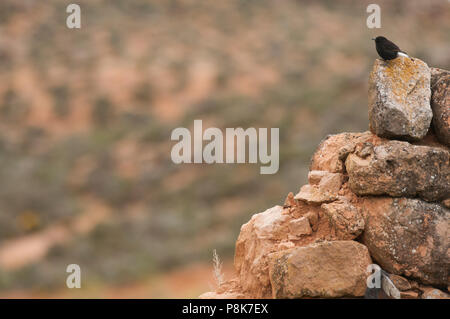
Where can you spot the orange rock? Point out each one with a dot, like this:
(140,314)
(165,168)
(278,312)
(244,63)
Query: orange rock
(299,227)
(332,151)
(265,233)
(230,289)
(325,188)
(411,294)
(400,282)
(326,269)
(346,220)
(313,218)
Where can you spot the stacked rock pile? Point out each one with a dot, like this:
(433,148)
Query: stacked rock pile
(378,197)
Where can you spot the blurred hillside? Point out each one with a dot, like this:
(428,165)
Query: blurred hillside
(86,117)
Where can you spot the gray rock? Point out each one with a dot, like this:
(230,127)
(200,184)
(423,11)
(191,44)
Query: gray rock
(408,237)
(400,169)
(433,293)
(399,99)
(440,104)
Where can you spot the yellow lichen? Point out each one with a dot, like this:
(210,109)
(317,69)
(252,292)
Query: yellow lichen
(404,74)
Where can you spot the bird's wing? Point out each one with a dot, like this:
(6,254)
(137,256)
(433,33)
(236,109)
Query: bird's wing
(391,46)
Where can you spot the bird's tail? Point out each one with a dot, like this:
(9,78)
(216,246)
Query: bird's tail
(400,53)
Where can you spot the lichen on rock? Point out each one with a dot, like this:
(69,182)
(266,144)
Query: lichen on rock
(399,99)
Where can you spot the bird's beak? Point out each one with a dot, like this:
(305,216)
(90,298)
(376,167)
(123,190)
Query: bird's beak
(373,38)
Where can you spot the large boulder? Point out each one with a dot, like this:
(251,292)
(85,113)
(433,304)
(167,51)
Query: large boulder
(399,99)
(325,269)
(273,230)
(408,237)
(400,169)
(440,104)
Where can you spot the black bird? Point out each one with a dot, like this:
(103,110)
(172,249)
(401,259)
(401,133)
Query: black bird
(388,50)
